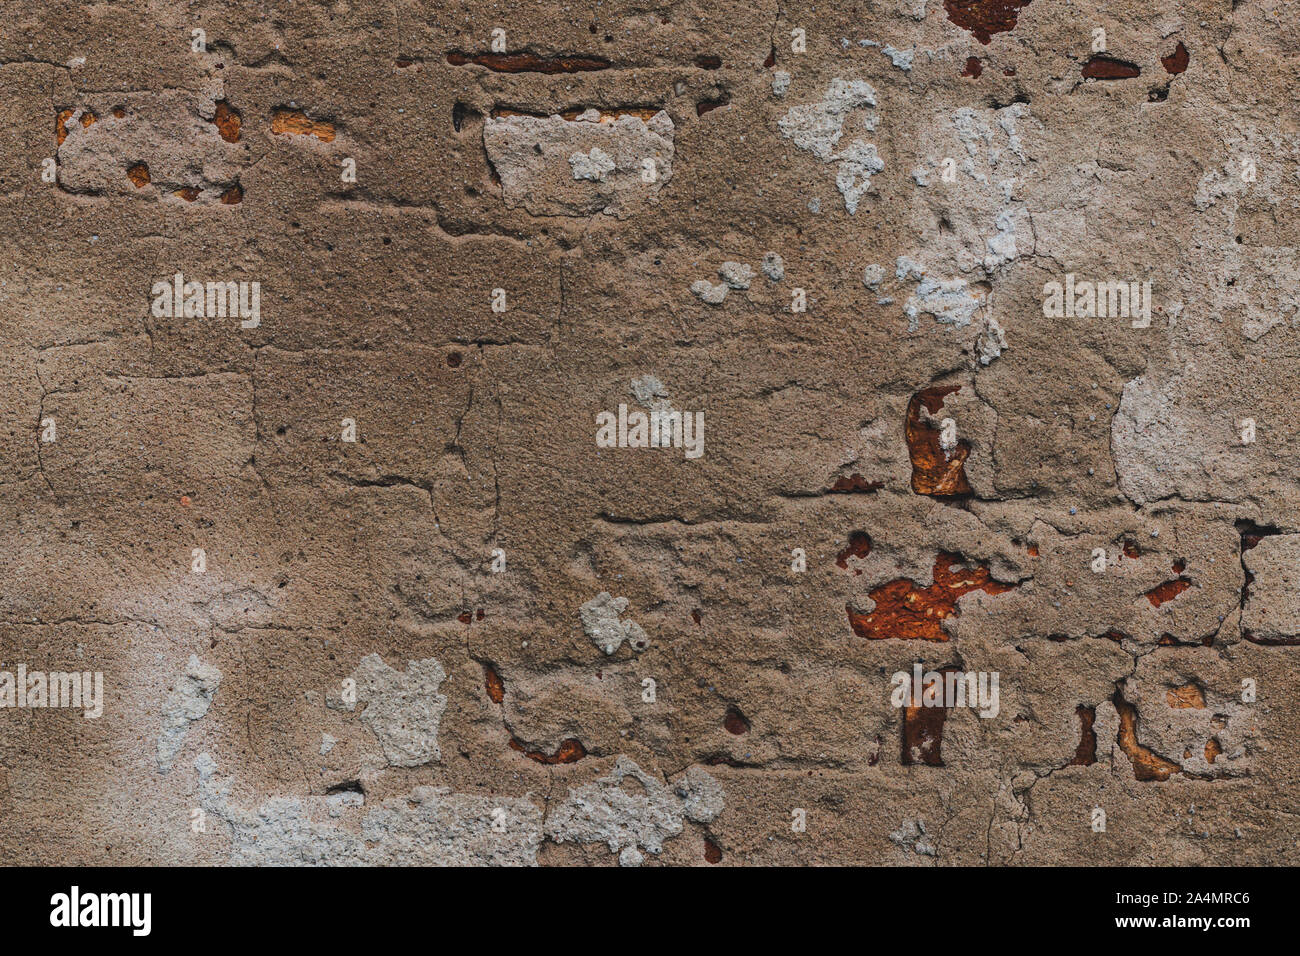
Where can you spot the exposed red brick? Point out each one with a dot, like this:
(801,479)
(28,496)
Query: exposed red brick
(60,128)
(984,18)
(705,106)
(1212,748)
(227,121)
(1177,61)
(1185,697)
(973,67)
(1102,67)
(189,193)
(906,611)
(1131,550)
(922,734)
(569,751)
(1161,593)
(528,62)
(708,61)
(712,852)
(1147,765)
(1085,755)
(735,722)
(1276,642)
(492,682)
(233,196)
(855,484)
(859,547)
(139,175)
(296,123)
(934,472)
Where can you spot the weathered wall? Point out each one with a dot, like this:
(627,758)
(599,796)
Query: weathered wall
(851,259)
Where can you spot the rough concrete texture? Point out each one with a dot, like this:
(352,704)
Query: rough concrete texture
(365,584)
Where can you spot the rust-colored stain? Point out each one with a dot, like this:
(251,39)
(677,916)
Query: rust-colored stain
(984,18)
(1102,67)
(139,175)
(1161,593)
(528,62)
(712,852)
(859,547)
(296,123)
(934,471)
(569,751)
(1177,61)
(906,611)
(855,484)
(1032,550)
(1186,696)
(1212,750)
(735,722)
(227,121)
(973,67)
(493,684)
(189,193)
(233,196)
(1147,765)
(1085,755)
(922,735)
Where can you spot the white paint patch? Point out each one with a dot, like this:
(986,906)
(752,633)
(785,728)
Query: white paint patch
(594,165)
(606,812)
(600,622)
(188,702)
(818,127)
(402,708)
